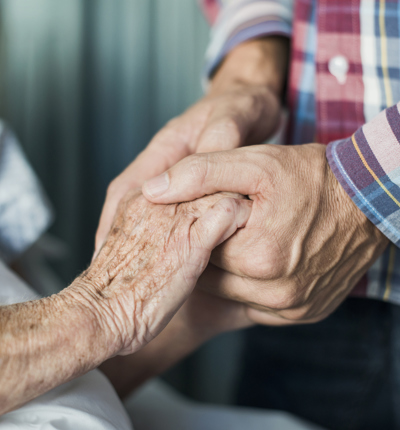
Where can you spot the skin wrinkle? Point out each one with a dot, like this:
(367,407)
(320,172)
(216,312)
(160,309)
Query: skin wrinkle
(302,226)
(150,287)
(143,274)
(120,216)
(116,266)
(239,94)
(89,303)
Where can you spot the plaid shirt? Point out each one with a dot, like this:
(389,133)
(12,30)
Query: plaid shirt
(344,81)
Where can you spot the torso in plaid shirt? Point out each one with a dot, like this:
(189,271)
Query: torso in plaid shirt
(343,86)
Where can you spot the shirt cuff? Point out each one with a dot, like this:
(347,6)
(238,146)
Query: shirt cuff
(246,20)
(367,165)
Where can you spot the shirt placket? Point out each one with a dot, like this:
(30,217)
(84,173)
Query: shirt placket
(339,84)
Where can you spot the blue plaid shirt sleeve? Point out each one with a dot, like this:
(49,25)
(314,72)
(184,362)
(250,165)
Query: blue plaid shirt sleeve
(367,165)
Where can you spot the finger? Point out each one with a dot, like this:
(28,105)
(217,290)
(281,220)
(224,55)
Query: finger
(269,318)
(201,174)
(244,118)
(232,287)
(220,222)
(227,285)
(216,225)
(259,298)
(221,133)
(250,293)
(259,294)
(163,152)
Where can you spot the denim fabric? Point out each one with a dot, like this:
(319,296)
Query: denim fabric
(342,373)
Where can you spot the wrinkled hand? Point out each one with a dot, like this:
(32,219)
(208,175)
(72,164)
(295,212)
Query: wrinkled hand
(219,121)
(305,245)
(151,261)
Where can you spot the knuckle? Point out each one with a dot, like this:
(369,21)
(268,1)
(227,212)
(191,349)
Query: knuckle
(258,163)
(222,133)
(227,205)
(250,100)
(281,298)
(198,165)
(229,129)
(263,265)
(297,314)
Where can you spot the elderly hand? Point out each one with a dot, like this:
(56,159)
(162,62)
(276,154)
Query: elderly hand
(305,245)
(242,107)
(145,271)
(152,260)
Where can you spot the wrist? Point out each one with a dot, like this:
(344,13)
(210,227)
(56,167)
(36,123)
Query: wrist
(256,63)
(92,320)
(342,203)
(48,342)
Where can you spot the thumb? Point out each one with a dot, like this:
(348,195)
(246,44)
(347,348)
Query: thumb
(203,174)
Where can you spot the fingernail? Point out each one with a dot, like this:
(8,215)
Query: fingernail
(157,186)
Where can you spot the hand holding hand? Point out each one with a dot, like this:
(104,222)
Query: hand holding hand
(305,245)
(242,107)
(151,261)
(147,268)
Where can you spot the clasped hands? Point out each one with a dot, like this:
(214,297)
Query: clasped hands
(305,245)
(286,247)
(151,261)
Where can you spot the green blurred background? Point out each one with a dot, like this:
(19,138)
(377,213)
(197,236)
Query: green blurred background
(86,84)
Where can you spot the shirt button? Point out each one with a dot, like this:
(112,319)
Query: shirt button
(339,66)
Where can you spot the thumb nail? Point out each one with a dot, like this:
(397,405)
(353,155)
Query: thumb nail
(157,186)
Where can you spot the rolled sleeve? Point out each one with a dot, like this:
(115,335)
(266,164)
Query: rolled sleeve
(367,165)
(237,21)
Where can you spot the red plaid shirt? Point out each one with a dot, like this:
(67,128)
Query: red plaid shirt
(344,79)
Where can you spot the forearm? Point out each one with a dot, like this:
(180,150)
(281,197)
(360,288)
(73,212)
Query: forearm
(144,272)
(260,62)
(45,343)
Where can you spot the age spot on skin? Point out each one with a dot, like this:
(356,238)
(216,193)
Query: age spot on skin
(127,280)
(100,293)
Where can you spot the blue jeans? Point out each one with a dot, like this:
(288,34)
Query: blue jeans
(342,373)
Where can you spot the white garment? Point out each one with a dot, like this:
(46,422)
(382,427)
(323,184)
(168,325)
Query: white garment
(87,403)
(25,212)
